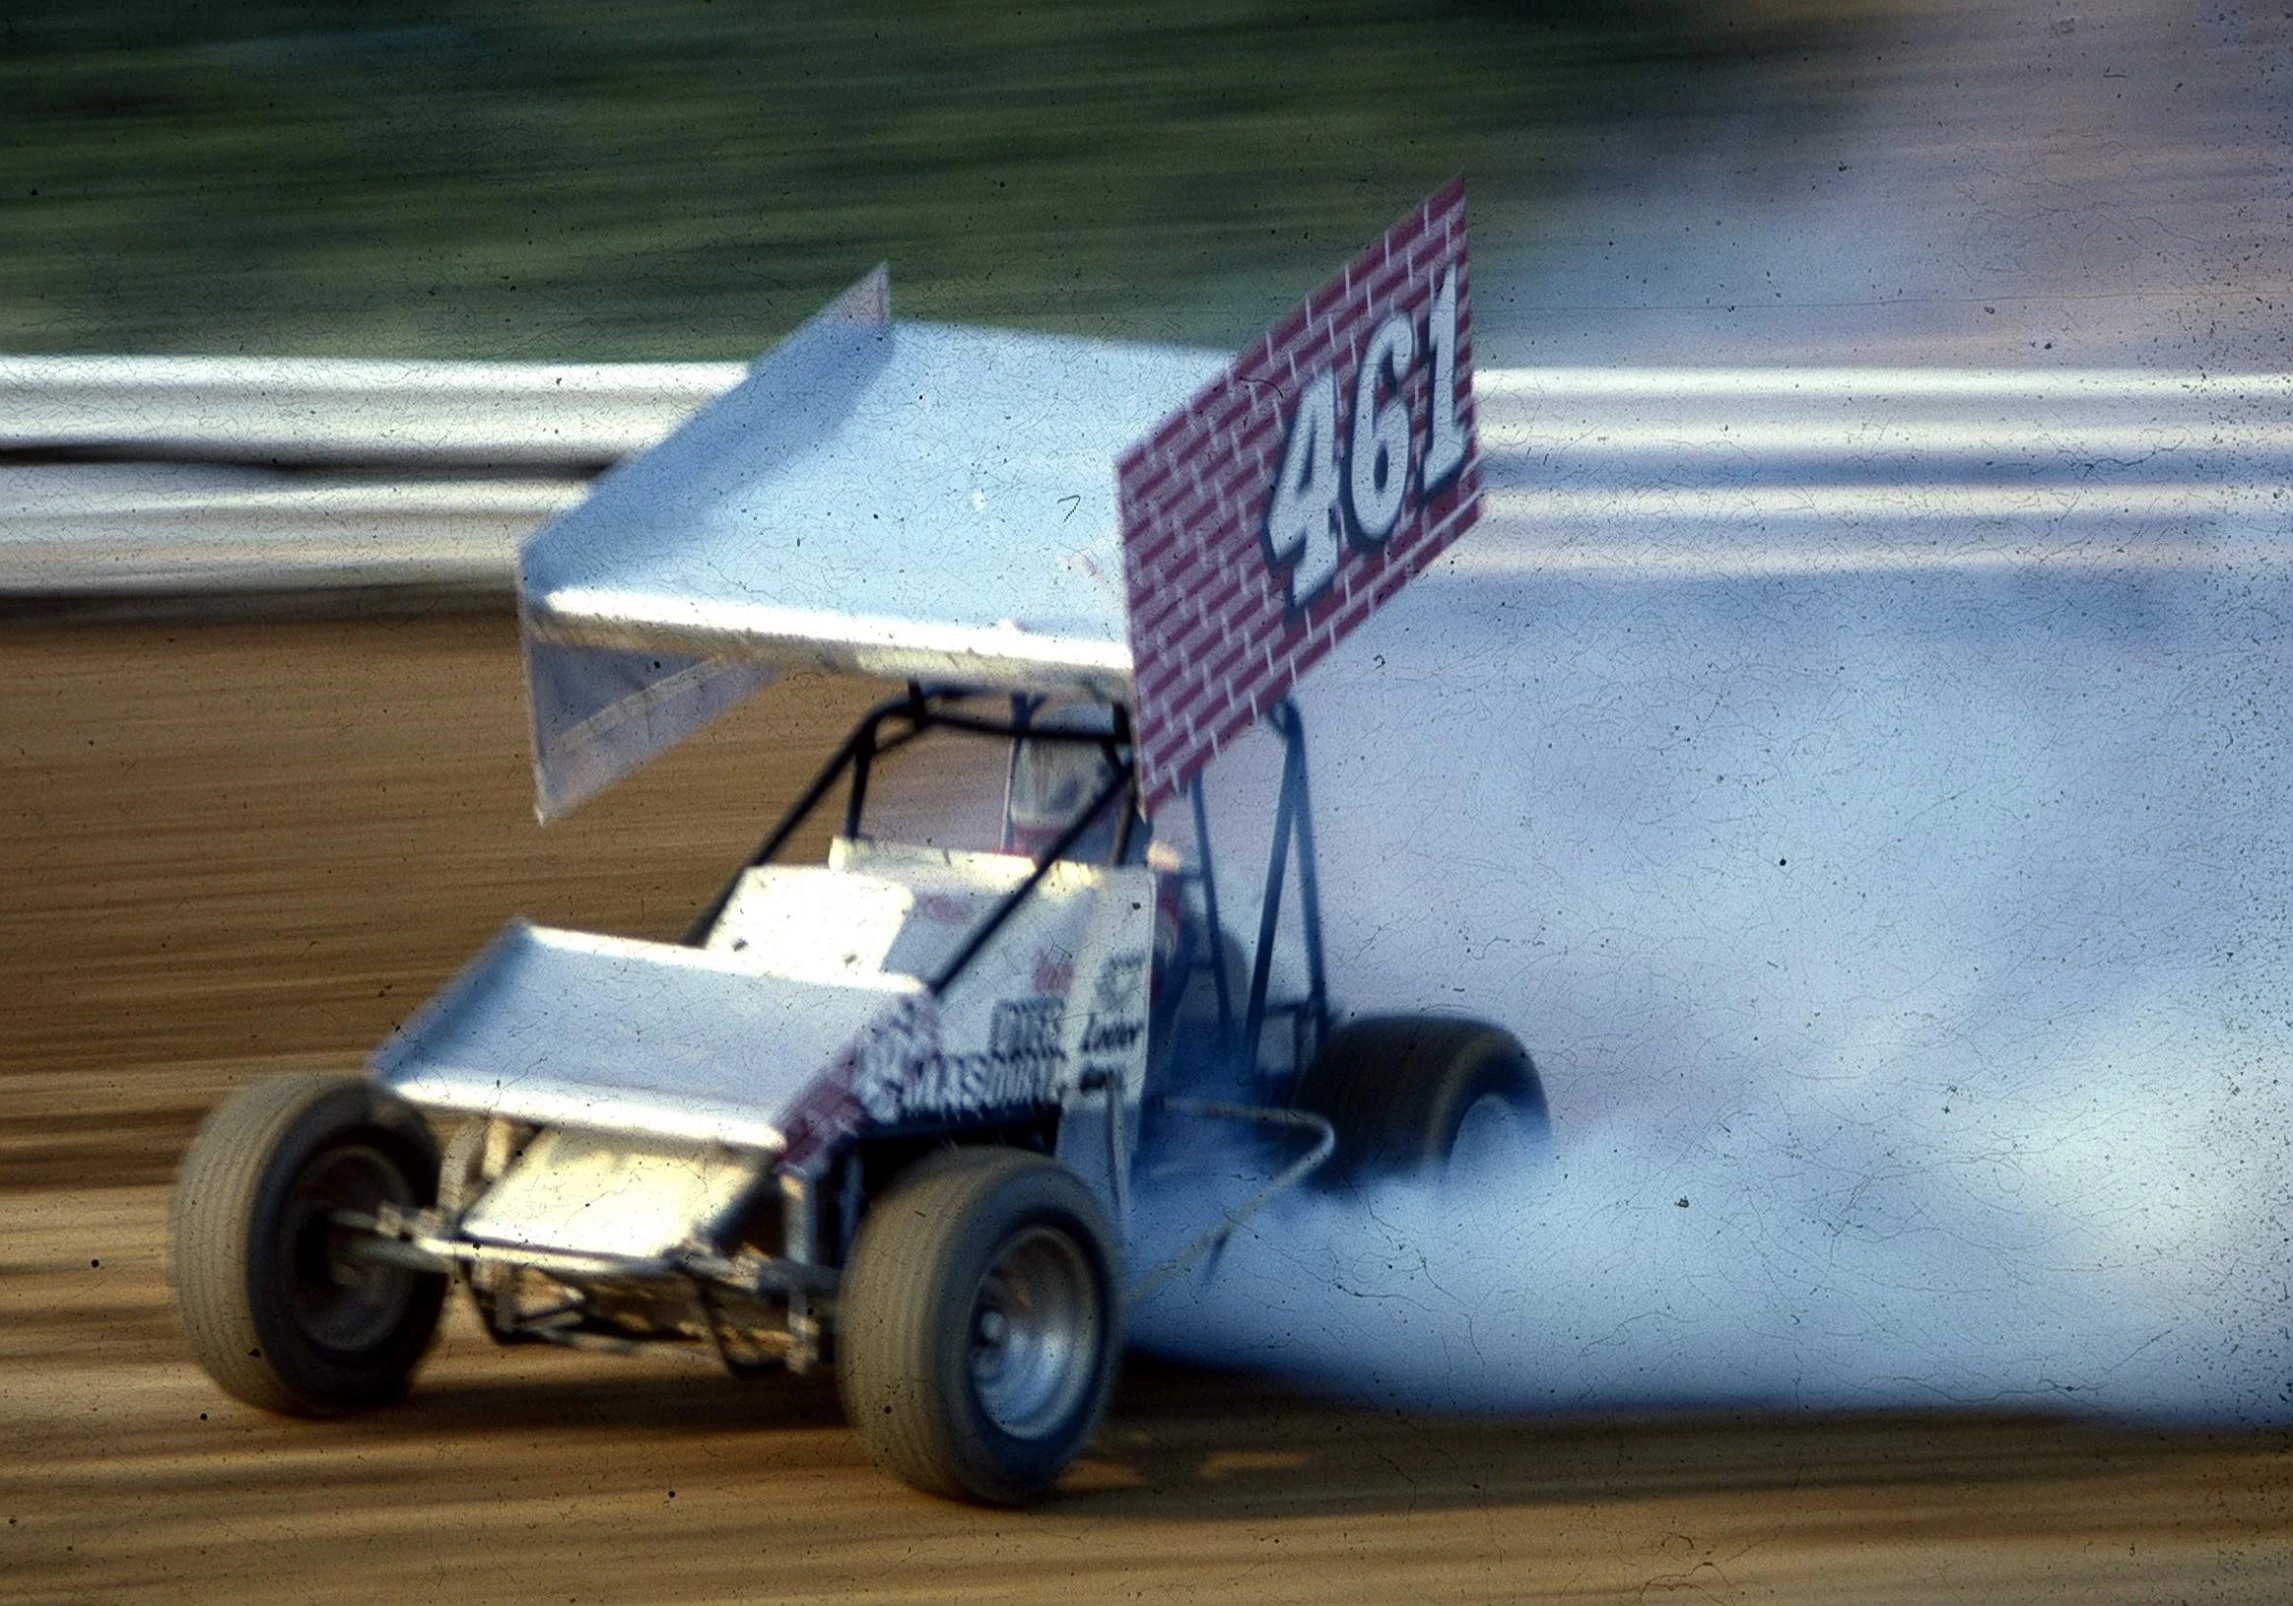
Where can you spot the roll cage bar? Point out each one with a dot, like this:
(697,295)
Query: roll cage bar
(1239,1033)
(910,715)
(897,721)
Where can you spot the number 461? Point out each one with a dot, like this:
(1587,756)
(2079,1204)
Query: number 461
(1318,504)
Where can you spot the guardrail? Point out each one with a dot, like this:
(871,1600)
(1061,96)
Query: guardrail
(322,411)
(135,475)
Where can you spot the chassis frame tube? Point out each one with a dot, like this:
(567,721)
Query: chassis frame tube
(1325,1145)
(421,1242)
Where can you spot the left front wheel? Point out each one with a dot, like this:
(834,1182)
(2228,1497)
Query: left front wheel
(276,1308)
(980,1325)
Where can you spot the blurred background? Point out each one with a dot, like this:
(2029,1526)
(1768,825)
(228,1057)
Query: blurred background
(1652,179)
(514,180)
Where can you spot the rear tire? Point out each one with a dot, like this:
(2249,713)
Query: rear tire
(277,1315)
(979,1325)
(1412,1095)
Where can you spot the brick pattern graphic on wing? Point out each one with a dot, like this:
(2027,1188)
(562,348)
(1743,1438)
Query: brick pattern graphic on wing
(1216,638)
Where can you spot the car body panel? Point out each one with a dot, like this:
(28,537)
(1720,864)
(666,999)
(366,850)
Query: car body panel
(549,1027)
(806,1017)
(613,1195)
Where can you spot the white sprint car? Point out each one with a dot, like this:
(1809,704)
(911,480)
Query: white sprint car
(885,1111)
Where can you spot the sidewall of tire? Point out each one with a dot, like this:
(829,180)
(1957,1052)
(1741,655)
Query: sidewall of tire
(904,1320)
(231,1194)
(1397,1088)
(1489,1064)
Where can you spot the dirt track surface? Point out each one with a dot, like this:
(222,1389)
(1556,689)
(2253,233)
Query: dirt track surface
(229,850)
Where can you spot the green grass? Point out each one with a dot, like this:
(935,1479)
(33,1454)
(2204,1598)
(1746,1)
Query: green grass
(687,178)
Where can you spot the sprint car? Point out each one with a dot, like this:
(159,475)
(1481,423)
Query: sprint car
(887,1111)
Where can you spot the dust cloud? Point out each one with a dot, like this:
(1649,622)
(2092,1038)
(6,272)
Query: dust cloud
(1906,957)
(1905,953)
(2037,183)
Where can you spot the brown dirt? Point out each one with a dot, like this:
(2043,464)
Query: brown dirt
(229,848)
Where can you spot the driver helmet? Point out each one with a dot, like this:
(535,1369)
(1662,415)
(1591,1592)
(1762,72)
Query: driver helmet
(1052,782)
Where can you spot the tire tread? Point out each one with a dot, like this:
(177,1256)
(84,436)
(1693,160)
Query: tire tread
(218,1188)
(1388,1084)
(893,1315)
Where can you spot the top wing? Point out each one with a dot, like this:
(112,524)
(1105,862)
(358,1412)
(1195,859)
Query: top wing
(913,501)
(978,507)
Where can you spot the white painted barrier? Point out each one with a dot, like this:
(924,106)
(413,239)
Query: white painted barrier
(293,410)
(125,475)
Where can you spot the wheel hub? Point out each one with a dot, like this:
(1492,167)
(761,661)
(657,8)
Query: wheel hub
(1035,1333)
(341,1302)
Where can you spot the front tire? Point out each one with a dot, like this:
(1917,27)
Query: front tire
(274,1310)
(979,1326)
(1427,1096)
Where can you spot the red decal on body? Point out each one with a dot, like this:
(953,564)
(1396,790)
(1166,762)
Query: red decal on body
(863,1084)
(1054,972)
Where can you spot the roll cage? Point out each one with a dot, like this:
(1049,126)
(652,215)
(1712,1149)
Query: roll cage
(894,724)
(1240,1023)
